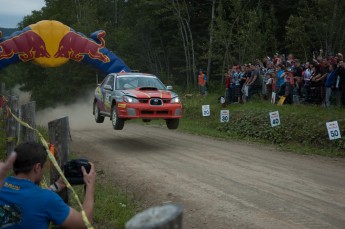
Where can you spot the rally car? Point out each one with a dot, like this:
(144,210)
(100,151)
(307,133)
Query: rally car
(125,96)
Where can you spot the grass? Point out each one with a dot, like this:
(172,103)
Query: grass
(302,130)
(113,207)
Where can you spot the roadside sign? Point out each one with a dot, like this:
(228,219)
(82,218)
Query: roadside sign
(333,130)
(206,110)
(274,117)
(224,116)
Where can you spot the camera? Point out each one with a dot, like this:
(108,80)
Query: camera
(73,172)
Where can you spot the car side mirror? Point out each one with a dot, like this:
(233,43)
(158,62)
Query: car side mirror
(169,87)
(108,87)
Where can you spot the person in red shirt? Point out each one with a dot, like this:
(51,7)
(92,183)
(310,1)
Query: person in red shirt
(228,86)
(202,79)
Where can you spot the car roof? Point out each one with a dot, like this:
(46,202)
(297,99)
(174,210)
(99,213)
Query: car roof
(135,74)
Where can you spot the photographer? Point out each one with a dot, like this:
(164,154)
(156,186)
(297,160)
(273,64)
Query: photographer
(23,204)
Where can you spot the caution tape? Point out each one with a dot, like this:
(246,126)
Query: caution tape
(56,165)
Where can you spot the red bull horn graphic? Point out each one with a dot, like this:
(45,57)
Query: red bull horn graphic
(27,45)
(50,44)
(75,46)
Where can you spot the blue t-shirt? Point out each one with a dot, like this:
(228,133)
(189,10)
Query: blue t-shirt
(25,205)
(280,80)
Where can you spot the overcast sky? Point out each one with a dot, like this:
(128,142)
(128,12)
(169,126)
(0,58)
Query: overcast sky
(13,11)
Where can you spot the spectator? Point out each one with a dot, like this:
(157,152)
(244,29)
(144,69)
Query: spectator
(202,79)
(315,86)
(341,73)
(324,68)
(236,90)
(228,86)
(330,81)
(306,79)
(290,59)
(280,87)
(28,205)
(288,84)
(245,79)
(269,85)
(297,73)
(253,82)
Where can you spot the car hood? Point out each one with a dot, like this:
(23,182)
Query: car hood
(146,94)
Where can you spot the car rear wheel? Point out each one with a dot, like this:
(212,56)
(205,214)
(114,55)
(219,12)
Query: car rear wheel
(117,122)
(172,124)
(98,117)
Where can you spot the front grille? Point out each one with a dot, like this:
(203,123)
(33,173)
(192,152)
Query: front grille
(156,102)
(163,112)
(166,100)
(143,100)
(149,112)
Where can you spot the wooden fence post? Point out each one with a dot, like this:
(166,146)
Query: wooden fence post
(28,116)
(160,217)
(59,136)
(12,125)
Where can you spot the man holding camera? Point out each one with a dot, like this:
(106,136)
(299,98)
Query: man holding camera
(23,204)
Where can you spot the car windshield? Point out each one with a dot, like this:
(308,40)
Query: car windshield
(131,82)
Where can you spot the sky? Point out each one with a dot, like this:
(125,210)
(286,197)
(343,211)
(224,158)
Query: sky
(13,11)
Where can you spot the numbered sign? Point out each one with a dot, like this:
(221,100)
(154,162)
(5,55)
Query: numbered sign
(224,116)
(206,110)
(274,117)
(333,130)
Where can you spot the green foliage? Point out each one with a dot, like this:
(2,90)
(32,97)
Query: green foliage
(302,128)
(112,209)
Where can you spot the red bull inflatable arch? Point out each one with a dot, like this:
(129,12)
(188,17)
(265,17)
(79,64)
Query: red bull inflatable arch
(52,44)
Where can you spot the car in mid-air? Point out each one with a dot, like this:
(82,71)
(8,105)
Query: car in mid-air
(125,96)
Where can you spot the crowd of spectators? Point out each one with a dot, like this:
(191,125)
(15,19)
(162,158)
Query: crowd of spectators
(319,81)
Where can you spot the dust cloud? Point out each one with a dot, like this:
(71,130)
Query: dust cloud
(24,97)
(79,114)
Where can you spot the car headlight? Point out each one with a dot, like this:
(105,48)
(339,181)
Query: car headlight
(175,100)
(129,99)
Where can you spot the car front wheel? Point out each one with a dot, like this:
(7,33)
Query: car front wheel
(98,117)
(172,124)
(117,122)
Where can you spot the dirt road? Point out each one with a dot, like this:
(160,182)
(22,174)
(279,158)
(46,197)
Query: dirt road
(221,184)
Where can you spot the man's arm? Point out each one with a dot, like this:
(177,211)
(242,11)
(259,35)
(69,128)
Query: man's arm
(322,77)
(74,219)
(253,79)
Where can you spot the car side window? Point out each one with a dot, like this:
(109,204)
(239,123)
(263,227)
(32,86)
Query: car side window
(108,81)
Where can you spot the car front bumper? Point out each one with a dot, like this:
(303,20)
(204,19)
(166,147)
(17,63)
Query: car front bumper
(145,111)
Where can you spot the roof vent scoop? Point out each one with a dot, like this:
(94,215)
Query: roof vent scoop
(148,89)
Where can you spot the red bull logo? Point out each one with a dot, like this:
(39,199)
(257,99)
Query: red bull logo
(27,45)
(50,43)
(75,46)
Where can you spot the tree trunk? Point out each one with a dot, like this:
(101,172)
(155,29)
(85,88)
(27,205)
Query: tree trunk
(210,42)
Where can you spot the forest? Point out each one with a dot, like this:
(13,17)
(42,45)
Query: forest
(174,39)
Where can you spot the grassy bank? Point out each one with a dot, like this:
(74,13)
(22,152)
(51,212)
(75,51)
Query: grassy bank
(302,130)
